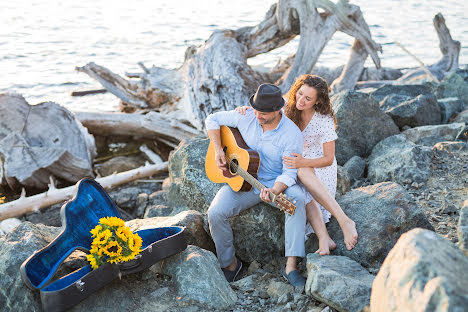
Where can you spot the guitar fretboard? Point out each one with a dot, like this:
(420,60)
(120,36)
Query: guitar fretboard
(247,176)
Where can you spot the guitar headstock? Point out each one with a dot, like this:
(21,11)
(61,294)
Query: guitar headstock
(284,204)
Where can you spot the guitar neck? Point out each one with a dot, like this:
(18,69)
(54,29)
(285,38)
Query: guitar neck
(248,177)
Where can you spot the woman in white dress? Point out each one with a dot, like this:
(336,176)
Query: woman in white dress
(309,107)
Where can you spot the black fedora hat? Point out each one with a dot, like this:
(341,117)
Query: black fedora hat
(267,98)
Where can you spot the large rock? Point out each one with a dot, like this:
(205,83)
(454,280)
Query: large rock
(453,85)
(339,282)
(423,272)
(16,247)
(258,231)
(190,186)
(462,117)
(355,167)
(382,212)
(198,276)
(419,111)
(400,160)
(430,135)
(192,220)
(450,107)
(410,91)
(463,228)
(39,141)
(361,124)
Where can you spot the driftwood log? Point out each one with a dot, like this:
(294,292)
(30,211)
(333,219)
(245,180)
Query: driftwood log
(152,125)
(53,196)
(215,76)
(37,141)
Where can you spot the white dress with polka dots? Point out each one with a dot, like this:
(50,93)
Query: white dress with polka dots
(321,129)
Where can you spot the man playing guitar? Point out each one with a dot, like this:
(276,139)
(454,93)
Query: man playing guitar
(268,131)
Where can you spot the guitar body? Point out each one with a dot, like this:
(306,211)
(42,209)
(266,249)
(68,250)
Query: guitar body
(236,149)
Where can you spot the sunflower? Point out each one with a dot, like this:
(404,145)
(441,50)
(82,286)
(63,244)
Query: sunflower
(113,249)
(94,261)
(112,221)
(103,237)
(96,230)
(123,233)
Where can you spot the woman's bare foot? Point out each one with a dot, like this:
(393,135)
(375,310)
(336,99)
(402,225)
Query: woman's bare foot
(350,234)
(325,245)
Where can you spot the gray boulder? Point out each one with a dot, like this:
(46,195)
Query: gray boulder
(198,276)
(462,117)
(192,220)
(16,247)
(392,100)
(410,91)
(430,135)
(382,212)
(355,167)
(361,124)
(190,186)
(343,183)
(157,211)
(419,111)
(339,282)
(258,231)
(453,85)
(400,160)
(450,107)
(423,272)
(463,228)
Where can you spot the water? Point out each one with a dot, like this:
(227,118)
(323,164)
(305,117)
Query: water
(41,41)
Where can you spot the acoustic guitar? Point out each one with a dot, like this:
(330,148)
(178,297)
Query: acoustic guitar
(242,167)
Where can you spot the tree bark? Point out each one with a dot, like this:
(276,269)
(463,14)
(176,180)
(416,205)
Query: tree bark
(152,125)
(37,141)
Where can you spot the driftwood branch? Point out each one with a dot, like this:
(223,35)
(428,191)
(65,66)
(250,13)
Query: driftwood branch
(53,196)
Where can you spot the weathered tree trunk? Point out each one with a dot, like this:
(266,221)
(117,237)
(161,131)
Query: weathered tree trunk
(53,196)
(37,141)
(152,125)
(215,76)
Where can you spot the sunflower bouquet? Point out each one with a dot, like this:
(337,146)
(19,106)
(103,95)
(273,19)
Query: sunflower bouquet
(113,242)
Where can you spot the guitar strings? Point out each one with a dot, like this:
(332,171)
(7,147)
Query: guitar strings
(238,168)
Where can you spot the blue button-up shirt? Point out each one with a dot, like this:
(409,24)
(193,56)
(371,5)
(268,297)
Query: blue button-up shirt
(271,145)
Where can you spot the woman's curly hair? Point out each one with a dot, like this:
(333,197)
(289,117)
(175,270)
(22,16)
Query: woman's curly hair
(323,105)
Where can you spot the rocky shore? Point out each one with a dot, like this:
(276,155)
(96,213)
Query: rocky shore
(403,178)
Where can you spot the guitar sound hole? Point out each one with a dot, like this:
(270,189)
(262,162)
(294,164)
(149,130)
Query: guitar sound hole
(232,168)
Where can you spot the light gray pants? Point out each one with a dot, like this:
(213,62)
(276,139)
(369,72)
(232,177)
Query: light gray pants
(228,203)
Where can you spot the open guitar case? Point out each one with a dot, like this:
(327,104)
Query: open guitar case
(79,216)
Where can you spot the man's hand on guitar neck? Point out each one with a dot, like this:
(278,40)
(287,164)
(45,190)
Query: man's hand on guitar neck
(276,189)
